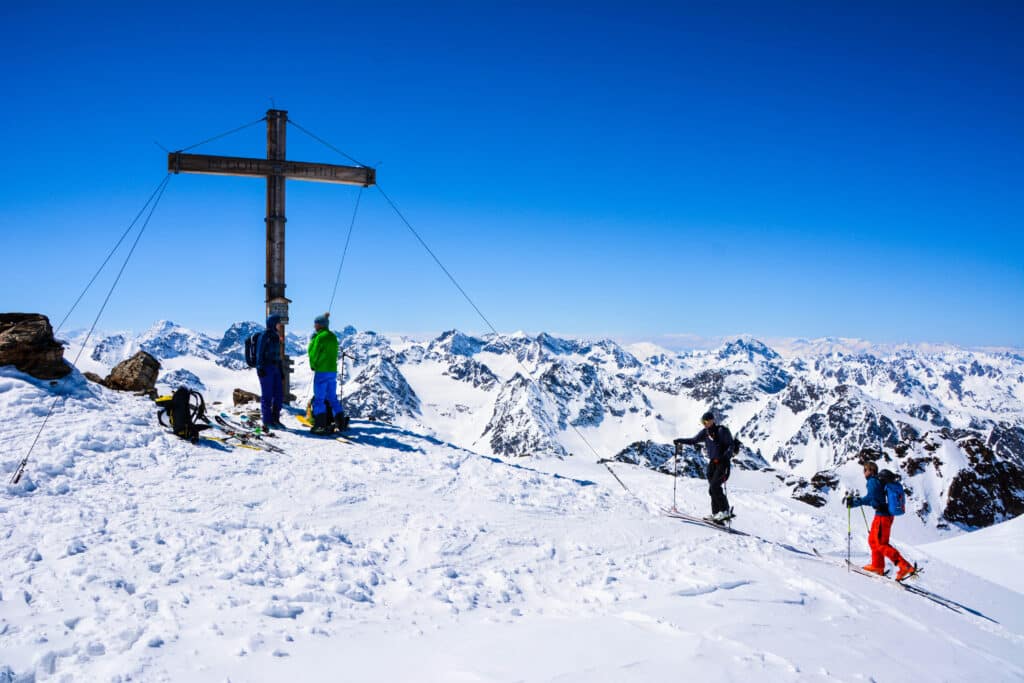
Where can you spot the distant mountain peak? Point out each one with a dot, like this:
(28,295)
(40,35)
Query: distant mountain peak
(747,347)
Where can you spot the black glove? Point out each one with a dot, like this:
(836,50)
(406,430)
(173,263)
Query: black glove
(678,443)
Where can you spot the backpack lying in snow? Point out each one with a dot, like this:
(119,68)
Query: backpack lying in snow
(895,496)
(185,411)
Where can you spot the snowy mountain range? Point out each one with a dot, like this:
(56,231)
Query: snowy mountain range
(949,421)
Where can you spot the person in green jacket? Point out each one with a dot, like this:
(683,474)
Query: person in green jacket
(323,361)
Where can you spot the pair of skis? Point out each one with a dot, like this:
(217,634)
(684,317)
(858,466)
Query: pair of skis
(722,525)
(247,436)
(948,603)
(726,526)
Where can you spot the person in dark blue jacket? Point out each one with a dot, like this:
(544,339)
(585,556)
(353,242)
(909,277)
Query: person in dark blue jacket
(269,353)
(878,536)
(719,444)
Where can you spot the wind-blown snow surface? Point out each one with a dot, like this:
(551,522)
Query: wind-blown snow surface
(996,553)
(128,554)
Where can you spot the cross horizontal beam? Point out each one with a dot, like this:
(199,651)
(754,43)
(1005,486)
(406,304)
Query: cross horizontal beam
(178,162)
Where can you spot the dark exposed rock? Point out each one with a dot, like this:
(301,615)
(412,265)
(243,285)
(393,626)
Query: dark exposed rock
(773,379)
(27,343)
(929,414)
(979,370)
(903,383)
(138,373)
(991,489)
(801,395)
(1008,442)
(815,491)
(661,457)
(913,466)
(241,397)
(473,372)
(705,386)
(749,459)
(956,381)
(907,433)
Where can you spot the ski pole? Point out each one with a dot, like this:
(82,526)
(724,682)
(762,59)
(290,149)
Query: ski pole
(849,536)
(675,477)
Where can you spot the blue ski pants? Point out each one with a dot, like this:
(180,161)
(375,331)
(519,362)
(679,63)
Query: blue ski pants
(271,394)
(325,392)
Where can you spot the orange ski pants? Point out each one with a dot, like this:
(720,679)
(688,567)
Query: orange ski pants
(878,541)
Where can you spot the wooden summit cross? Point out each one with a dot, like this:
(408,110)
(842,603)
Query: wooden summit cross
(275,168)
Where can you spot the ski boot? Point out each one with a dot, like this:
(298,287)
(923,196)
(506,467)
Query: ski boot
(321,426)
(906,571)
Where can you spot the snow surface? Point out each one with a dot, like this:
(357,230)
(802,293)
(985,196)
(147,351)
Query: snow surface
(995,553)
(128,554)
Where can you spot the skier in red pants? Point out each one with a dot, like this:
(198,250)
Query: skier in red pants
(878,537)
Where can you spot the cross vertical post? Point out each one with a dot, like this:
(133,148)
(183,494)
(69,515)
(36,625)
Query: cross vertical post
(277,120)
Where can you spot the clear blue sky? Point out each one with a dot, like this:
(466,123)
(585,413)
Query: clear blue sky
(769,168)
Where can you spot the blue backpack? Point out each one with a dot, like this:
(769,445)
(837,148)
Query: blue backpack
(895,496)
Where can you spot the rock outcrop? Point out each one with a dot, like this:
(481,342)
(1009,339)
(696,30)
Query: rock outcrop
(241,397)
(27,343)
(138,373)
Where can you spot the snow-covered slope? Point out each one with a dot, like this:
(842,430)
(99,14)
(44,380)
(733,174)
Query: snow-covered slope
(995,553)
(128,554)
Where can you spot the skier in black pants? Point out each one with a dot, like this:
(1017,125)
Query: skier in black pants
(718,441)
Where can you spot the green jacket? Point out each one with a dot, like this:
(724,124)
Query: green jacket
(323,352)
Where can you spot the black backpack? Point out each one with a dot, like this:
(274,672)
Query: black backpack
(736,445)
(185,411)
(252,349)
